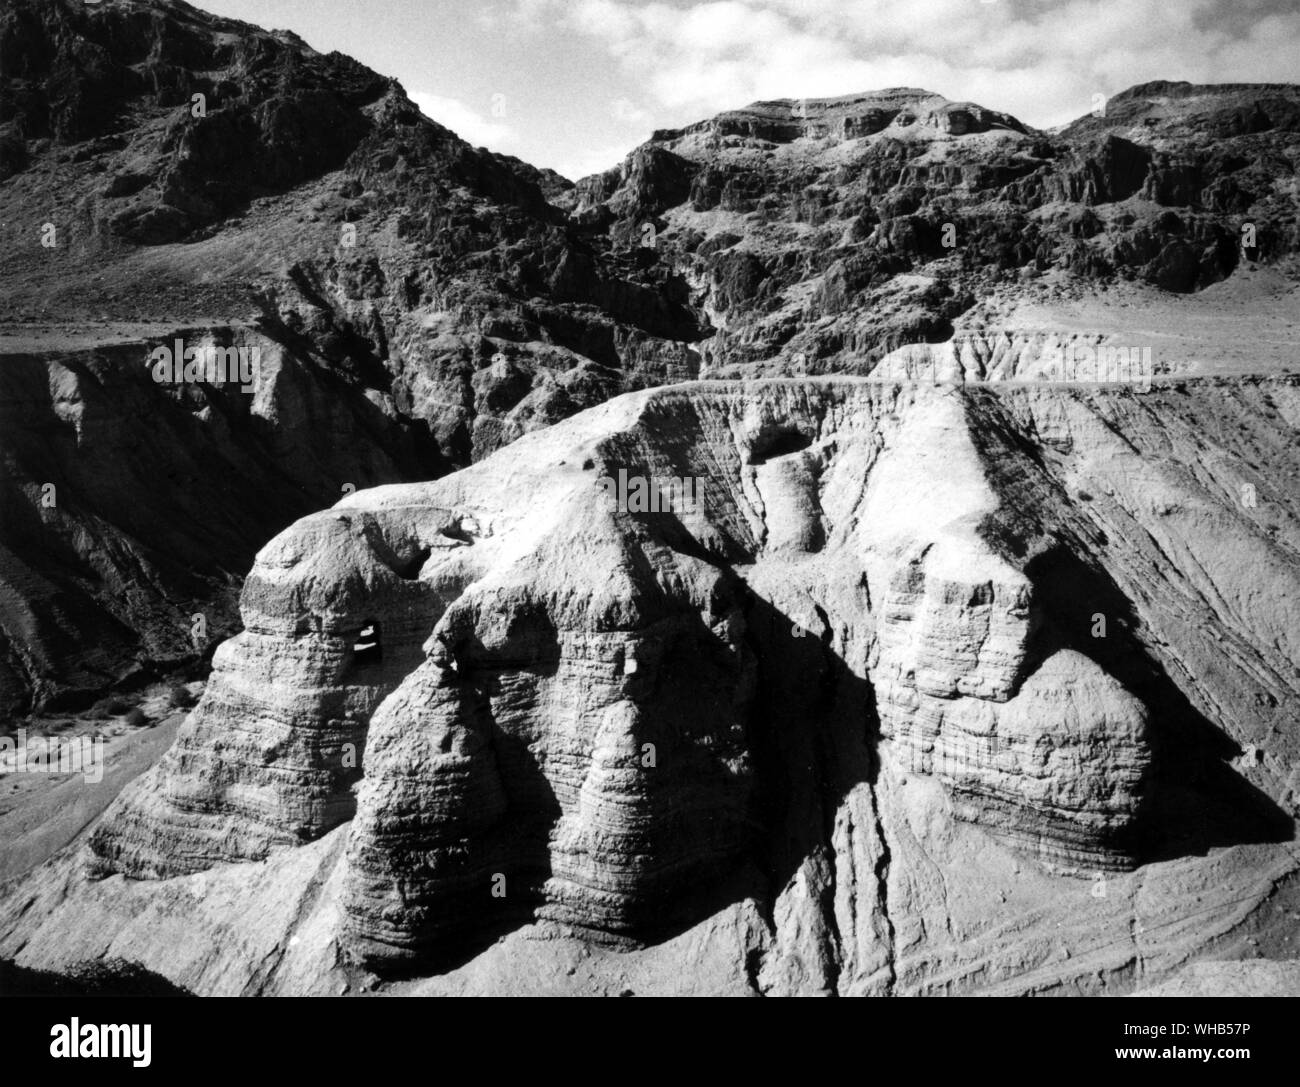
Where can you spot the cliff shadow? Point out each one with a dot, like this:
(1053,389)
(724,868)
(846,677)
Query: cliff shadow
(697,838)
(1192,800)
(498,873)
(814,733)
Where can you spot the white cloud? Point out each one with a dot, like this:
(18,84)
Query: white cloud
(498,135)
(583,163)
(629,113)
(1040,61)
(467,123)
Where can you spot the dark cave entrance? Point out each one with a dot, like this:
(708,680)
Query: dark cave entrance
(368,647)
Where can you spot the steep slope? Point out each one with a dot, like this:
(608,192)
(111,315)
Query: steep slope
(978,674)
(408,303)
(819,234)
(896,689)
(412,303)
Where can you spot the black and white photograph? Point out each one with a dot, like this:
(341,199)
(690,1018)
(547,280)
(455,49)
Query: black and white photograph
(651,498)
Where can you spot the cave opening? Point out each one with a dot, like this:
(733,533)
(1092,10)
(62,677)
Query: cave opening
(778,442)
(368,647)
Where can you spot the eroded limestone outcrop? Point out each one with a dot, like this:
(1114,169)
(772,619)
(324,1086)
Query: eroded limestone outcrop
(618,718)
(432,301)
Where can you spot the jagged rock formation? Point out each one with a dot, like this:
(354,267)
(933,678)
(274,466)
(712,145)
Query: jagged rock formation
(416,303)
(617,715)
(820,234)
(129,506)
(1056,759)
(971,675)
(438,301)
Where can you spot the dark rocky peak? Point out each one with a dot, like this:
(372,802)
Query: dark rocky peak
(191,116)
(1169,110)
(846,117)
(74,71)
(822,233)
(445,300)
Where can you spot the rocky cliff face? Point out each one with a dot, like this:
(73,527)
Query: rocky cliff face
(612,722)
(957,670)
(165,171)
(166,175)
(819,234)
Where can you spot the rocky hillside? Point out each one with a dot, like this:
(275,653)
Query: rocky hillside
(413,303)
(819,234)
(911,690)
(894,656)
(416,303)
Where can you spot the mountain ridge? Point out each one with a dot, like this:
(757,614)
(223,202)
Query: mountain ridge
(450,299)
(970,665)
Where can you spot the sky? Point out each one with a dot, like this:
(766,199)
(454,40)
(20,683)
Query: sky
(576,84)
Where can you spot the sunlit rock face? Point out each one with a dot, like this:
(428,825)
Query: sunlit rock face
(596,717)
(270,754)
(945,677)
(1048,750)
(419,303)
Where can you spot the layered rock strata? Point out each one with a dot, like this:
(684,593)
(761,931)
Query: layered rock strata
(603,718)
(434,301)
